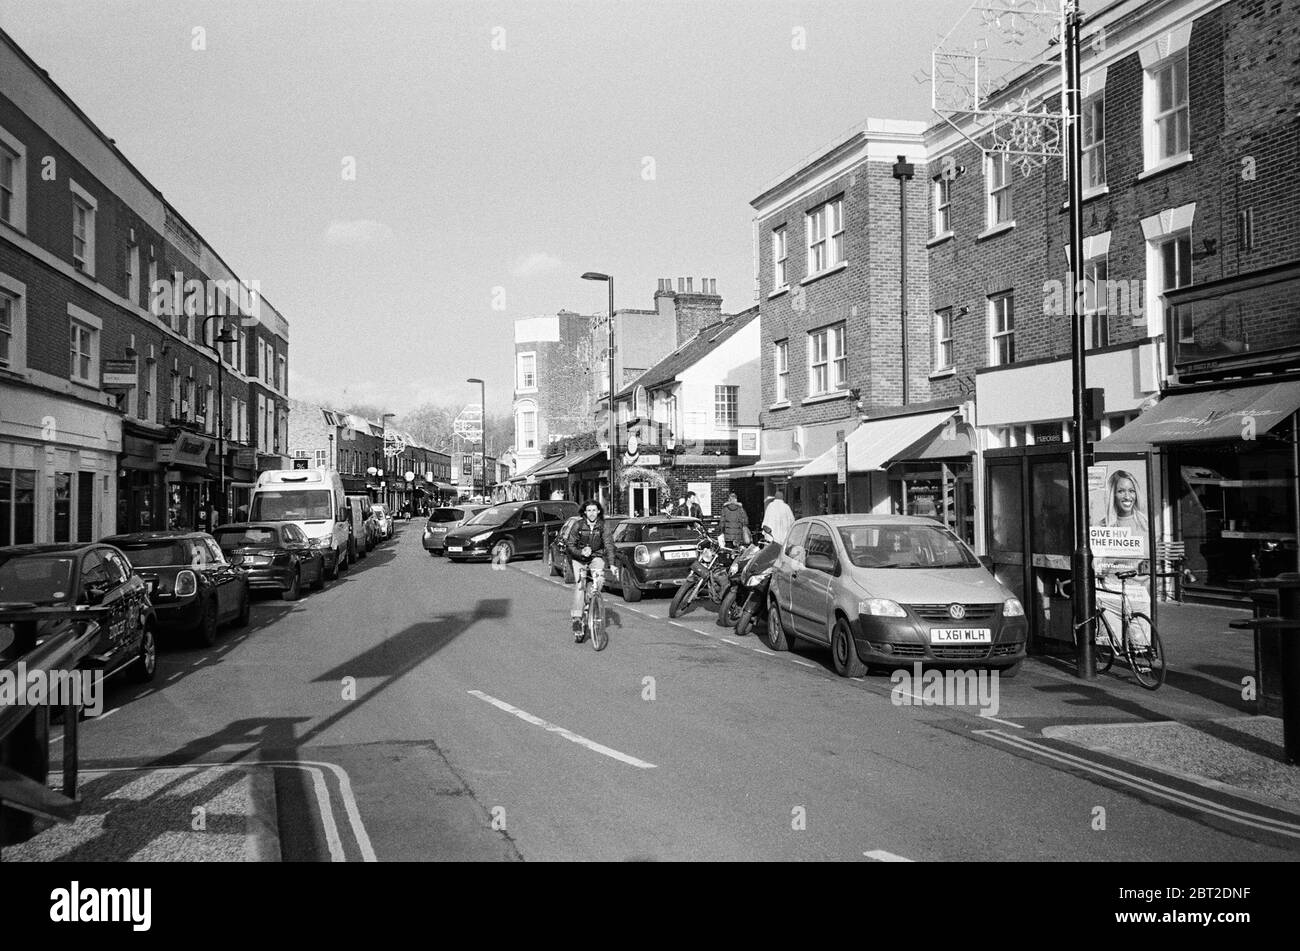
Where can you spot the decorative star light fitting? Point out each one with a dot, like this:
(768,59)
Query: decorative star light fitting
(994,46)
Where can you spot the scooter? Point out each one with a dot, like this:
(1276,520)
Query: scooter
(708,575)
(755,581)
(734,597)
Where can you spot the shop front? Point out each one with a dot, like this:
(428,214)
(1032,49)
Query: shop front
(141,485)
(190,488)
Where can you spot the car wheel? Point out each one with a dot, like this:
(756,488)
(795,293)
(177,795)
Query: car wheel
(631,593)
(146,664)
(319,581)
(205,632)
(844,653)
(245,609)
(332,574)
(502,551)
(776,636)
(294,591)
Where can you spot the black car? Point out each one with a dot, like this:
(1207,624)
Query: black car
(275,556)
(76,577)
(557,559)
(502,532)
(192,586)
(651,553)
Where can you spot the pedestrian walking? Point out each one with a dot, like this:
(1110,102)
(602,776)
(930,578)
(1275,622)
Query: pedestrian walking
(693,506)
(735,523)
(778,517)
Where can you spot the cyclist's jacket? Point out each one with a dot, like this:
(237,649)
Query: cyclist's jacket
(586,534)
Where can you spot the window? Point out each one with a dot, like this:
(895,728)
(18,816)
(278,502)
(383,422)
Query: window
(149,405)
(133,275)
(281,374)
(83,229)
(63,506)
(1169,129)
(527,429)
(726,412)
(1176,271)
(825,229)
(782,363)
(149,291)
(527,371)
(174,400)
(943,339)
(1002,330)
(1094,142)
(942,206)
(82,347)
(191,407)
(1094,302)
(828,360)
(11,320)
(780,257)
(999,185)
(86,506)
(13,181)
(17,506)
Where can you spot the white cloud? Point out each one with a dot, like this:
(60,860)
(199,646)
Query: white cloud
(356,233)
(537,264)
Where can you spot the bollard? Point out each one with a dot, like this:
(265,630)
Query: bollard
(1287,624)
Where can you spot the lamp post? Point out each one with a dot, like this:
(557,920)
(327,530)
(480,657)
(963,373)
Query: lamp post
(383,447)
(223,337)
(613,441)
(482,430)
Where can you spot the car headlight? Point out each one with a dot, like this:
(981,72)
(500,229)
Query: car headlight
(1012,607)
(881,607)
(322,542)
(481,537)
(186,584)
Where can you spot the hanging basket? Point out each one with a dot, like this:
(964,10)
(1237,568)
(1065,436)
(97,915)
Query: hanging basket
(630,474)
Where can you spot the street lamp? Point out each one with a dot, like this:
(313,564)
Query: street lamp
(383,446)
(224,336)
(482,429)
(613,441)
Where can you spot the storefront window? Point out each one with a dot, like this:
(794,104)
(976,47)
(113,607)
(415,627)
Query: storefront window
(63,506)
(17,506)
(941,491)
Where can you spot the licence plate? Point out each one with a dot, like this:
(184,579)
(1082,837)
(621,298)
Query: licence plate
(453,548)
(961,635)
(679,555)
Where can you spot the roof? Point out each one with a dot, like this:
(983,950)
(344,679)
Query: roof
(691,352)
(47,548)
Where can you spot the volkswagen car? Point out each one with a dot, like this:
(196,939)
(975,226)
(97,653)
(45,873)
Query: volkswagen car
(891,591)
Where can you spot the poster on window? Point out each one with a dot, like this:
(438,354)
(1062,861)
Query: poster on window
(1118,526)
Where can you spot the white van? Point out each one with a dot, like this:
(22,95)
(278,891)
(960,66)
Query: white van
(312,499)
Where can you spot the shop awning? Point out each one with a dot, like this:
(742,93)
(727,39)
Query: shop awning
(563,465)
(443,486)
(530,474)
(1207,416)
(878,442)
(765,467)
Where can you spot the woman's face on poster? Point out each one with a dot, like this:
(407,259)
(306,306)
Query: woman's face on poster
(1125,497)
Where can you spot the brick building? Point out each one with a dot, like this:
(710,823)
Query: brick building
(553,382)
(108,377)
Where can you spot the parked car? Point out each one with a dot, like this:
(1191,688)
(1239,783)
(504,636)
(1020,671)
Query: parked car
(275,556)
(192,587)
(363,535)
(383,520)
(312,499)
(892,591)
(502,532)
(650,554)
(442,520)
(71,576)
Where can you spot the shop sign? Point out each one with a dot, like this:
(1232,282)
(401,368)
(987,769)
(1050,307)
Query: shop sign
(187,450)
(119,375)
(841,458)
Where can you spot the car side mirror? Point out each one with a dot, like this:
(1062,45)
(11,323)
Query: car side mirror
(820,562)
(986,561)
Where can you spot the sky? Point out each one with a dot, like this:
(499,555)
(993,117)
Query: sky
(500,150)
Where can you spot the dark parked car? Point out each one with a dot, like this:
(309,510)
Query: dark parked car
(508,530)
(557,559)
(75,576)
(651,553)
(192,586)
(442,520)
(275,556)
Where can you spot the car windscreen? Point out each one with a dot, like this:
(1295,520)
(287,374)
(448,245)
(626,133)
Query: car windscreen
(281,505)
(670,532)
(496,515)
(40,579)
(247,537)
(905,546)
(445,515)
(157,554)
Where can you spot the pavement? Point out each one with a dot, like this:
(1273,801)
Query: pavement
(422,710)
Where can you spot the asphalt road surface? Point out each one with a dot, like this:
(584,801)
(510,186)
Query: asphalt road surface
(419,709)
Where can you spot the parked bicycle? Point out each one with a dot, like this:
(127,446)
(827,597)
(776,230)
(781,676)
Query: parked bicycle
(1145,657)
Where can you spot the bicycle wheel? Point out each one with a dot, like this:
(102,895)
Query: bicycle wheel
(1103,652)
(1146,661)
(596,622)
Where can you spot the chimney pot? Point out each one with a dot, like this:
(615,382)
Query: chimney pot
(681,285)
(690,285)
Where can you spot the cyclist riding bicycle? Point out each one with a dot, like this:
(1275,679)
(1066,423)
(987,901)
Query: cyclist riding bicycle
(586,548)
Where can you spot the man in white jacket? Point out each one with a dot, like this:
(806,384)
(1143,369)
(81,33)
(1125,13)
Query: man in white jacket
(778,517)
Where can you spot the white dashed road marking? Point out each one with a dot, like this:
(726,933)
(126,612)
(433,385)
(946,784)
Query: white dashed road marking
(879,855)
(802,663)
(567,734)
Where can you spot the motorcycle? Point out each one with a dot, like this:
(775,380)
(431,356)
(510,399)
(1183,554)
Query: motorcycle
(708,575)
(755,581)
(734,596)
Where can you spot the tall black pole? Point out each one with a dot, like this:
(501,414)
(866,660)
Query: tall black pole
(903,172)
(613,441)
(482,416)
(1081,455)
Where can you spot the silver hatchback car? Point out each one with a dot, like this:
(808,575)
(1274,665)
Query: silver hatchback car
(892,590)
(442,520)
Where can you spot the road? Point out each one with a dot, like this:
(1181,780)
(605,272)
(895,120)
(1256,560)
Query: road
(424,710)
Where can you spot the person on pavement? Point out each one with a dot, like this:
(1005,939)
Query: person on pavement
(778,517)
(735,523)
(586,547)
(693,506)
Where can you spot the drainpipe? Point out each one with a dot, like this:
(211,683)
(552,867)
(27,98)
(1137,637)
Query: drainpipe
(903,171)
